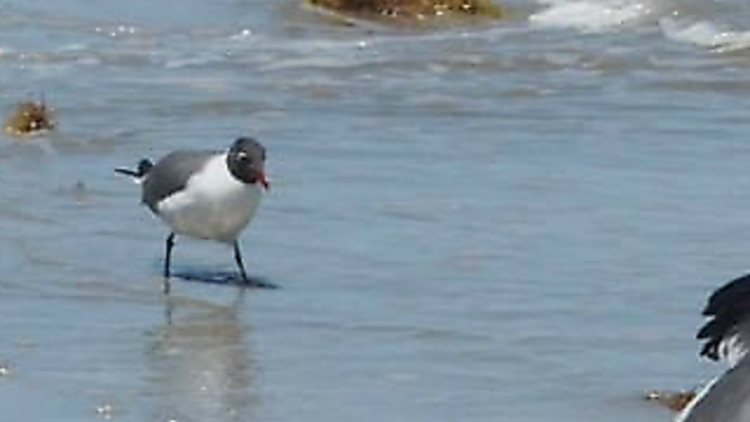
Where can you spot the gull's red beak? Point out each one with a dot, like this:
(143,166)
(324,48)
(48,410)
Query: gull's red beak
(264,181)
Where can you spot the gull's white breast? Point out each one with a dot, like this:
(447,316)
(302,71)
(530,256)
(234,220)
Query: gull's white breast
(213,204)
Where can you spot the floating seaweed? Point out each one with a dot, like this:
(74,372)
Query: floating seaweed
(29,118)
(405,11)
(675,400)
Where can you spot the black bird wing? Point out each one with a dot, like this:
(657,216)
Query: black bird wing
(727,333)
(726,336)
(171,174)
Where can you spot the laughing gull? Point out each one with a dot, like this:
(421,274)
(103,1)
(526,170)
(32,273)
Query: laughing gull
(205,194)
(727,338)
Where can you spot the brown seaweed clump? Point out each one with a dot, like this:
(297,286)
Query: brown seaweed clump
(412,10)
(29,118)
(675,400)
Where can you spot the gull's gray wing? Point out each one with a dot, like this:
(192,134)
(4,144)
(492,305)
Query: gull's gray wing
(726,336)
(727,333)
(171,174)
(725,400)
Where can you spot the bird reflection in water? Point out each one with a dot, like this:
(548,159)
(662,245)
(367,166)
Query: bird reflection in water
(200,366)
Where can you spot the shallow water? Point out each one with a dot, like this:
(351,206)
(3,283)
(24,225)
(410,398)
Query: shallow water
(517,221)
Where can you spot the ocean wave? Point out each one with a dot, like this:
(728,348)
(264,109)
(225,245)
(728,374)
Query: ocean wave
(591,15)
(703,33)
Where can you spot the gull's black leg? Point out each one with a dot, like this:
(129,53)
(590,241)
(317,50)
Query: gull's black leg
(245,279)
(238,258)
(167,259)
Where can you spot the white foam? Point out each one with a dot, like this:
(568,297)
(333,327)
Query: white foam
(705,34)
(590,15)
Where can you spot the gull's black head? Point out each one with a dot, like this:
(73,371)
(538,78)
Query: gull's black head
(246,161)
